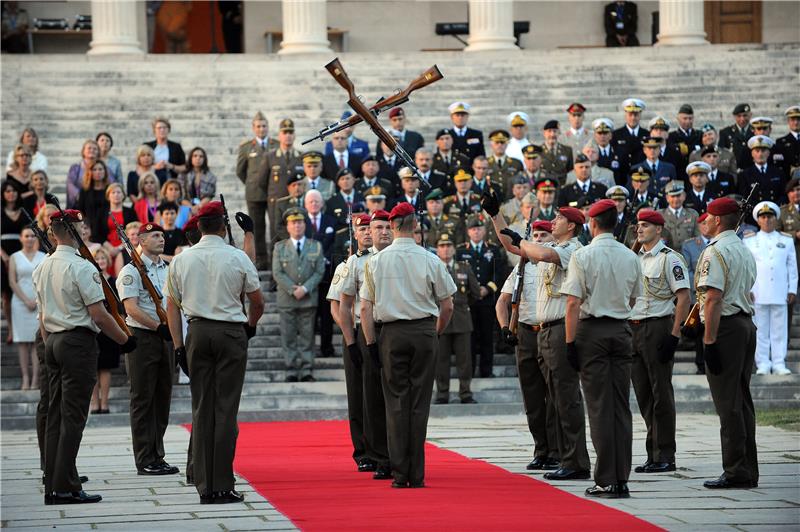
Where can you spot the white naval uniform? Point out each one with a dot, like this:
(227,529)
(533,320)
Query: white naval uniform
(776,277)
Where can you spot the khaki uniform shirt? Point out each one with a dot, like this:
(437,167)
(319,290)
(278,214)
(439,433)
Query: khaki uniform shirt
(405,282)
(664,272)
(66,284)
(208,279)
(353,279)
(681,227)
(289,269)
(551,304)
(556,162)
(528,302)
(727,265)
(335,290)
(605,275)
(129,284)
(789,222)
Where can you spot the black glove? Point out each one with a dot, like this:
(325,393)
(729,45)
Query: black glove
(572,356)
(129,345)
(692,333)
(180,359)
(163,332)
(250,330)
(515,237)
(666,350)
(374,355)
(354,352)
(509,337)
(490,202)
(713,358)
(245,222)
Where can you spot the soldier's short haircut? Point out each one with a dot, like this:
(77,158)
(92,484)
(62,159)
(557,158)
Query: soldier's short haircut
(404,224)
(60,230)
(728,221)
(423,150)
(193,236)
(479,158)
(210,225)
(606,220)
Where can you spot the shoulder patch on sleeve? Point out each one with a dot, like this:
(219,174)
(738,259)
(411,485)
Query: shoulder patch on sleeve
(96,277)
(677,272)
(127,280)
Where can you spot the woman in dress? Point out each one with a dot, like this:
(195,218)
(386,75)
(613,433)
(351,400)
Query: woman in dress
(20,173)
(11,224)
(199,181)
(146,205)
(108,349)
(23,305)
(105,143)
(144,165)
(90,153)
(92,201)
(30,139)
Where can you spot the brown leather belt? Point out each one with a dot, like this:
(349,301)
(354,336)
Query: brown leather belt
(534,328)
(548,324)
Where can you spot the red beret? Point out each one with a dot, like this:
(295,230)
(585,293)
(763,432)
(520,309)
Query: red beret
(69,215)
(542,225)
(723,206)
(191,224)
(150,228)
(380,215)
(397,111)
(210,209)
(601,206)
(649,215)
(702,217)
(361,219)
(572,214)
(400,210)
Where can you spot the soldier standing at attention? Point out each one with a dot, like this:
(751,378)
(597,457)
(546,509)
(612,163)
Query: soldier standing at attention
(725,275)
(735,136)
(556,157)
(656,323)
(680,221)
(150,366)
(455,340)
(206,282)
(71,312)
(467,141)
(408,290)
(603,281)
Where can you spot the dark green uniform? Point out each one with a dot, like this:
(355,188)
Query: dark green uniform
(557,163)
(252,169)
(444,223)
(282,167)
(502,171)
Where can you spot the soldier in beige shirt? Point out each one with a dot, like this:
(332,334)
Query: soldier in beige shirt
(726,273)
(656,320)
(603,280)
(408,290)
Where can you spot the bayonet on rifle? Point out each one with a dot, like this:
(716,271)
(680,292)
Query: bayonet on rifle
(516,294)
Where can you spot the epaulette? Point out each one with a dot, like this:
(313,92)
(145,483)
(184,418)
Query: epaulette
(247,141)
(784,233)
(284,198)
(473,195)
(748,234)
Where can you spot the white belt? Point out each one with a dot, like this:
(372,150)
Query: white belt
(10,236)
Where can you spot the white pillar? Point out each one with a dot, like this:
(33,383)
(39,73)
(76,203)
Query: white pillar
(491,25)
(305,29)
(114,27)
(681,22)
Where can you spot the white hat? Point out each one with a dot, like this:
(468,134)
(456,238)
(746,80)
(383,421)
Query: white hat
(633,105)
(792,111)
(616,190)
(698,167)
(514,118)
(765,207)
(760,141)
(763,120)
(459,107)
(659,121)
(603,123)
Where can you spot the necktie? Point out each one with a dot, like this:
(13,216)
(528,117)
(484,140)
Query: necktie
(348,200)
(341,161)
(585,188)
(263,143)
(464,203)
(763,169)
(299,249)
(313,185)
(316,223)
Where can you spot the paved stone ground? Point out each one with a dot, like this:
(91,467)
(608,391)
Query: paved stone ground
(674,501)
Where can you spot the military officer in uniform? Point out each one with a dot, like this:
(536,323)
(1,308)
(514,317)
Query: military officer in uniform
(518,122)
(685,137)
(71,312)
(464,202)
(620,20)
(296,186)
(467,141)
(775,288)
(440,223)
(407,290)
(788,146)
(701,192)
(345,199)
(447,160)
(789,222)
(691,250)
(680,221)
(726,163)
(725,276)
(556,157)
(724,181)
(488,262)
(455,340)
(532,160)
(546,196)
(501,168)
(483,178)
(619,195)
(668,153)
(735,136)
(583,185)
(643,191)
(656,319)
(598,338)
(577,136)
(770,178)
(150,366)
(284,164)
(511,209)
(627,140)
(298,264)
(607,156)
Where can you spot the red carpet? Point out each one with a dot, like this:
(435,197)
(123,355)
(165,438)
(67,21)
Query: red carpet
(305,470)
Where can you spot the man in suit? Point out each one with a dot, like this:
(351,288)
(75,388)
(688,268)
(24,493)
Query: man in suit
(518,122)
(369,178)
(298,265)
(788,146)
(345,199)
(702,192)
(464,202)
(726,182)
(771,179)
(577,136)
(727,161)
(388,163)
(466,140)
(314,181)
(297,189)
(686,137)
(661,172)
(411,141)
(532,160)
(423,158)
(620,20)
(735,136)
(556,157)
(607,156)
(341,157)
(446,160)
(670,153)
(322,228)
(583,186)
(501,167)
(627,140)
(355,146)
(679,221)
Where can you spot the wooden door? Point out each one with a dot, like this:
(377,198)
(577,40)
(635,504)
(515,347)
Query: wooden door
(733,21)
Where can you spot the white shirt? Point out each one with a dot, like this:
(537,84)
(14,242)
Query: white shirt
(514,148)
(634,131)
(302,242)
(161,153)
(776,267)
(341,155)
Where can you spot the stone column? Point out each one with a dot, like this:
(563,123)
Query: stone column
(114,27)
(305,29)
(681,22)
(491,25)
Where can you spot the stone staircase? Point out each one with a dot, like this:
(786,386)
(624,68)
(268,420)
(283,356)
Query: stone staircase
(210,101)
